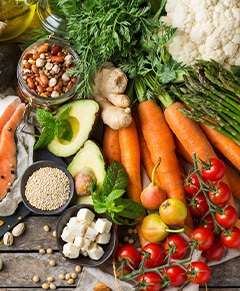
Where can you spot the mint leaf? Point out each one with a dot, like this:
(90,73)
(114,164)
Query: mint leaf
(65,130)
(115,178)
(132,209)
(44,139)
(44,117)
(115,194)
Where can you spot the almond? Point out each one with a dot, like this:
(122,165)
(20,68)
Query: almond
(101,287)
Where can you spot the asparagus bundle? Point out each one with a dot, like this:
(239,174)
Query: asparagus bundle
(213,94)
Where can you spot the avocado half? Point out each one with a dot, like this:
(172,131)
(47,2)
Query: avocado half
(82,118)
(89,156)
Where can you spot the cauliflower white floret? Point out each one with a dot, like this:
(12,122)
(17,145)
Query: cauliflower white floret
(207,29)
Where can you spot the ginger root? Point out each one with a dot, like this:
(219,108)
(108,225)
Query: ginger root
(109,86)
(114,116)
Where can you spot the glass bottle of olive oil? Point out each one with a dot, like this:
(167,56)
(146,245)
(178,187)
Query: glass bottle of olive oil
(15,17)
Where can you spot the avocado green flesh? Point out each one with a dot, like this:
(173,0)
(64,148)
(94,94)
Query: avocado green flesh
(89,156)
(82,117)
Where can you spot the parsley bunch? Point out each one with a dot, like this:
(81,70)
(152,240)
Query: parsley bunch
(111,201)
(124,32)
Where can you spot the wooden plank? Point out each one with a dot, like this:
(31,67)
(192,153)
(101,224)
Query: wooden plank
(20,268)
(34,236)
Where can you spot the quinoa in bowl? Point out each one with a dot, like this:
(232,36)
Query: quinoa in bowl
(47,188)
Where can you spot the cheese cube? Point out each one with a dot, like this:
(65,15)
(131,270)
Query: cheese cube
(103,238)
(79,228)
(73,221)
(67,235)
(70,251)
(103,225)
(86,244)
(79,242)
(95,252)
(85,214)
(91,233)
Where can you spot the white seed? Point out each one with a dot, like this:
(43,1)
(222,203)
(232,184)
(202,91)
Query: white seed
(52,82)
(78,269)
(18,229)
(8,239)
(40,63)
(65,77)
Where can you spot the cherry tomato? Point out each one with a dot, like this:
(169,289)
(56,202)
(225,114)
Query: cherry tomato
(156,255)
(231,238)
(199,272)
(204,237)
(131,253)
(208,222)
(176,246)
(191,184)
(215,170)
(175,274)
(215,252)
(199,205)
(222,194)
(150,281)
(228,218)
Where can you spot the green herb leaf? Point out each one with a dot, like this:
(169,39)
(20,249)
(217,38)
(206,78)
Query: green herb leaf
(115,178)
(132,209)
(115,194)
(44,139)
(44,117)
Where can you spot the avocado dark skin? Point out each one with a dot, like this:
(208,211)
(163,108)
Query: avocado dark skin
(9,56)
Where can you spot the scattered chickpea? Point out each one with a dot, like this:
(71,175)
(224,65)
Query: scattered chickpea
(46,228)
(78,268)
(45,286)
(71,281)
(73,275)
(126,238)
(41,251)
(61,276)
(131,241)
(54,233)
(50,279)
(36,278)
(53,286)
(49,251)
(130,230)
(135,231)
(68,276)
(52,263)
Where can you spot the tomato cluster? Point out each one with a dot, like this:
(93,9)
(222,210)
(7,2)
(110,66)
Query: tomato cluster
(169,262)
(160,265)
(209,198)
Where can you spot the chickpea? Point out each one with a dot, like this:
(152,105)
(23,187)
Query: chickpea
(36,278)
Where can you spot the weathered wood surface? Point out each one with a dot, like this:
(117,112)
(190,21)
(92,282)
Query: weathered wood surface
(22,261)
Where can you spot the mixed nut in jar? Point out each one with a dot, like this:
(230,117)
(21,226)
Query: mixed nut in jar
(44,73)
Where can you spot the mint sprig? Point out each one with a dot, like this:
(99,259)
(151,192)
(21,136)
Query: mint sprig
(52,127)
(111,201)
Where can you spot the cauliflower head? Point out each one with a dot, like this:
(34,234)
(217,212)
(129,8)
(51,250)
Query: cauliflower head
(207,29)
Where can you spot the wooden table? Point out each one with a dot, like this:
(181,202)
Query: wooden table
(22,261)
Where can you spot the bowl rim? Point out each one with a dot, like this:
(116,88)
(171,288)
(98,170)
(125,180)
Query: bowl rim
(30,170)
(94,263)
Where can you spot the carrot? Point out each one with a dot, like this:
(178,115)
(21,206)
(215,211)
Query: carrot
(130,158)
(234,180)
(224,144)
(145,155)
(160,143)
(111,147)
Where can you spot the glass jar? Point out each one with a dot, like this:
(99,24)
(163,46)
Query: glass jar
(42,74)
(15,17)
(51,17)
